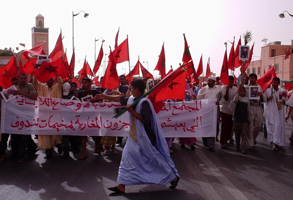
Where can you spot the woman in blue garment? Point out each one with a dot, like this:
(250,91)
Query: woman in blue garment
(146,158)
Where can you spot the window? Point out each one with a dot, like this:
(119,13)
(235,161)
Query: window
(253,70)
(258,71)
(273,52)
(276,68)
(270,66)
(248,71)
(40,23)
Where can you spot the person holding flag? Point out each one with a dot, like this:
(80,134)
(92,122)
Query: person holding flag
(146,158)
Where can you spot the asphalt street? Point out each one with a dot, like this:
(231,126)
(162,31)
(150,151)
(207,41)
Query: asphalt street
(224,174)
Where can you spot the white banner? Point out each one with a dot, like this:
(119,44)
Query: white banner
(50,116)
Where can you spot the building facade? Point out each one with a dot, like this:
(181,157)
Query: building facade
(274,54)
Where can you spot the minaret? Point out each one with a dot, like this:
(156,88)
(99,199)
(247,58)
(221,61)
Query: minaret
(40,34)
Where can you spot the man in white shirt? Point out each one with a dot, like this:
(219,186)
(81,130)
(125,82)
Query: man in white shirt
(228,93)
(209,92)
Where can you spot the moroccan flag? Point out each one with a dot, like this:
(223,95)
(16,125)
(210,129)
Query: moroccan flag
(237,62)
(29,65)
(199,68)
(161,65)
(75,80)
(111,79)
(208,72)
(99,60)
(170,87)
(72,64)
(287,54)
(8,72)
(58,51)
(134,71)
(231,60)
(145,72)
(20,68)
(288,86)
(246,65)
(191,73)
(116,38)
(224,71)
(121,52)
(267,78)
(50,70)
(38,50)
(86,70)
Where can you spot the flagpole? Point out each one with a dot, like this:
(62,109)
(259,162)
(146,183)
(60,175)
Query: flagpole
(128,53)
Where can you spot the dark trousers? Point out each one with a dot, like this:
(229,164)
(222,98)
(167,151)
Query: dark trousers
(22,143)
(226,129)
(74,143)
(3,143)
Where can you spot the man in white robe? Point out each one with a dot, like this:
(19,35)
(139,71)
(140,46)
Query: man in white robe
(274,114)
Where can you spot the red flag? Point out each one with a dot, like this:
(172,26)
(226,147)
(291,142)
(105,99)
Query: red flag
(116,38)
(288,86)
(267,78)
(224,71)
(231,61)
(199,68)
(20,68)
(121,53)
(66,65)
(38,50)
(75,80)
(134,71)
(246,65)
(237,62)
(72,64)
(287,54)
(50,70)
(170,71)
(191,73)
(170,87)
(29,65)
(99,60)
(208,72)
(161,65)
(22,44)
(8,72)
(111,79)
(145,72)
(86,70)
(58,51)
(96,81)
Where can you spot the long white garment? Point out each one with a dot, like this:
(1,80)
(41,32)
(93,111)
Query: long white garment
(143,163)
(275,118)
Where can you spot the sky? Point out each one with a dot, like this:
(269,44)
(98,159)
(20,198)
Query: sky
(148,24)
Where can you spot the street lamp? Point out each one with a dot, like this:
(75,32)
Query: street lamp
(95,46)
(73,15)
(282,15)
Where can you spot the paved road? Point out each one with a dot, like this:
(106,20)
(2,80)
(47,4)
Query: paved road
(225,174)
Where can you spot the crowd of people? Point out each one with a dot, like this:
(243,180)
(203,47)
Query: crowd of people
(243,111)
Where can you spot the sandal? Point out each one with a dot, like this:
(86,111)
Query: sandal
(174,183)
(275,147)
(106,153)
(82,157)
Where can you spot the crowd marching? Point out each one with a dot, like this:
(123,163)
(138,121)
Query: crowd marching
(243,111)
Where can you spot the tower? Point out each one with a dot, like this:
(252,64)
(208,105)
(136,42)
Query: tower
(40,34)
